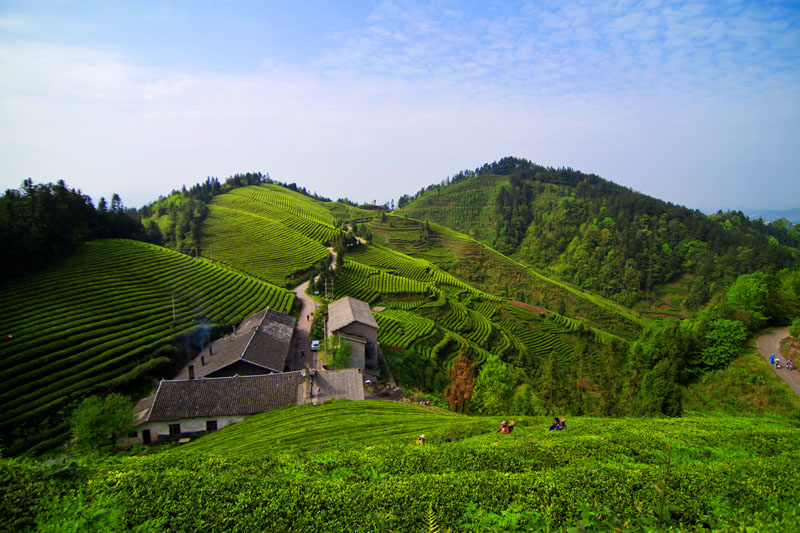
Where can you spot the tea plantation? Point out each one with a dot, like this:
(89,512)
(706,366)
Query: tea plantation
(353,466)
(268,231)
(102,319)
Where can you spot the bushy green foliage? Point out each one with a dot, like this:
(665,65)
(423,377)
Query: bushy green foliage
(749,295)
(659,393)
(98,422)
(341,357)
(794,329)
(345,467)
(724,338)
(494,387)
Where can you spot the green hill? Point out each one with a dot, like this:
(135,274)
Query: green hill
(601,236)
(102,320)
(484,268)
(352,466)
(271,231)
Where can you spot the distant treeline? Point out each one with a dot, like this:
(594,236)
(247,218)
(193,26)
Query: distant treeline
(44,223)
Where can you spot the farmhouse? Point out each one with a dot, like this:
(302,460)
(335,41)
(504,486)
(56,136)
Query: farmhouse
(192,407)
(261,350)
(351,321)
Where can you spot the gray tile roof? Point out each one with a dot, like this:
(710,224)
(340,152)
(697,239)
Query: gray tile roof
(347,310)
(241,395)
(270,343)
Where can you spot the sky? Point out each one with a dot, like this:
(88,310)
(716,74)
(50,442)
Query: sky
(696,103)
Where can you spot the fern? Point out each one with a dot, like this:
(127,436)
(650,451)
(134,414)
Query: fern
(433,522)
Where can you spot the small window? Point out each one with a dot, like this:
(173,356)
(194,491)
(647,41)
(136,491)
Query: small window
(211,425)
(174,429)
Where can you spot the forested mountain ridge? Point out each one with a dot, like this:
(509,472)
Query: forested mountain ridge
(602,236)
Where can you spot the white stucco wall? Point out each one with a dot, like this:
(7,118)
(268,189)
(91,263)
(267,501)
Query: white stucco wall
(188,425)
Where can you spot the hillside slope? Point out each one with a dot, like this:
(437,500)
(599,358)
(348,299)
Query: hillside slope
(429,316)
(101,321)
(351,466)
(601,236)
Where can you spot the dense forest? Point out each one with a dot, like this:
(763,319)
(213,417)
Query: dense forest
(604,237)
(41,224)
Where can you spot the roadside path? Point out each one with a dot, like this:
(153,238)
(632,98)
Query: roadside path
(302,331)
(301,344)
(770,342)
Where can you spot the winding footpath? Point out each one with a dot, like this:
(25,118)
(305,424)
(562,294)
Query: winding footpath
(770,342)
(302,356)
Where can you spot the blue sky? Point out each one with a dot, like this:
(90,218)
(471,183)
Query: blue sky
(697,103)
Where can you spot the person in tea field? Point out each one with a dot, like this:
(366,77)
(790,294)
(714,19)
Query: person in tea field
(504,428)
(558,424)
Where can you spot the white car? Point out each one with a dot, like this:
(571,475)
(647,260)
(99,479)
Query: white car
(314,346)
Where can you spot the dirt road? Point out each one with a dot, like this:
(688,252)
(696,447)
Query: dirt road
(300,352)
(770,342)
(301,344)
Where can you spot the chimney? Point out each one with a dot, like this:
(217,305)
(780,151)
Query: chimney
(191,371)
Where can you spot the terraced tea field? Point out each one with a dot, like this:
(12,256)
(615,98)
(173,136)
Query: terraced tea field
(102,318)
(268,231)
(485,270)
(259,245)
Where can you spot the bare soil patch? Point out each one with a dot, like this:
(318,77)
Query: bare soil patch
(529,307)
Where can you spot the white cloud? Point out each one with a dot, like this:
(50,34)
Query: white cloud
(655,103)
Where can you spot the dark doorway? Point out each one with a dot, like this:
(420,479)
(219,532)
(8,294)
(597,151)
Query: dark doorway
(145,436)
(211,425)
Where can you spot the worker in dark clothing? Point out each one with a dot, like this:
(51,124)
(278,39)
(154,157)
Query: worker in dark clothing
(558,424)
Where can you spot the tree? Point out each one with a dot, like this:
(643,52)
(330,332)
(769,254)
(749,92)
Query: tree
(724,339)
(462,383)
(494,386)
(794,329)
(341,357)
(750,294)
(97,422)
(660,394)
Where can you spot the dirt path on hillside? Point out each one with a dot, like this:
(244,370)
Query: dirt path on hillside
(301,353)
(301,344)
(770,342)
